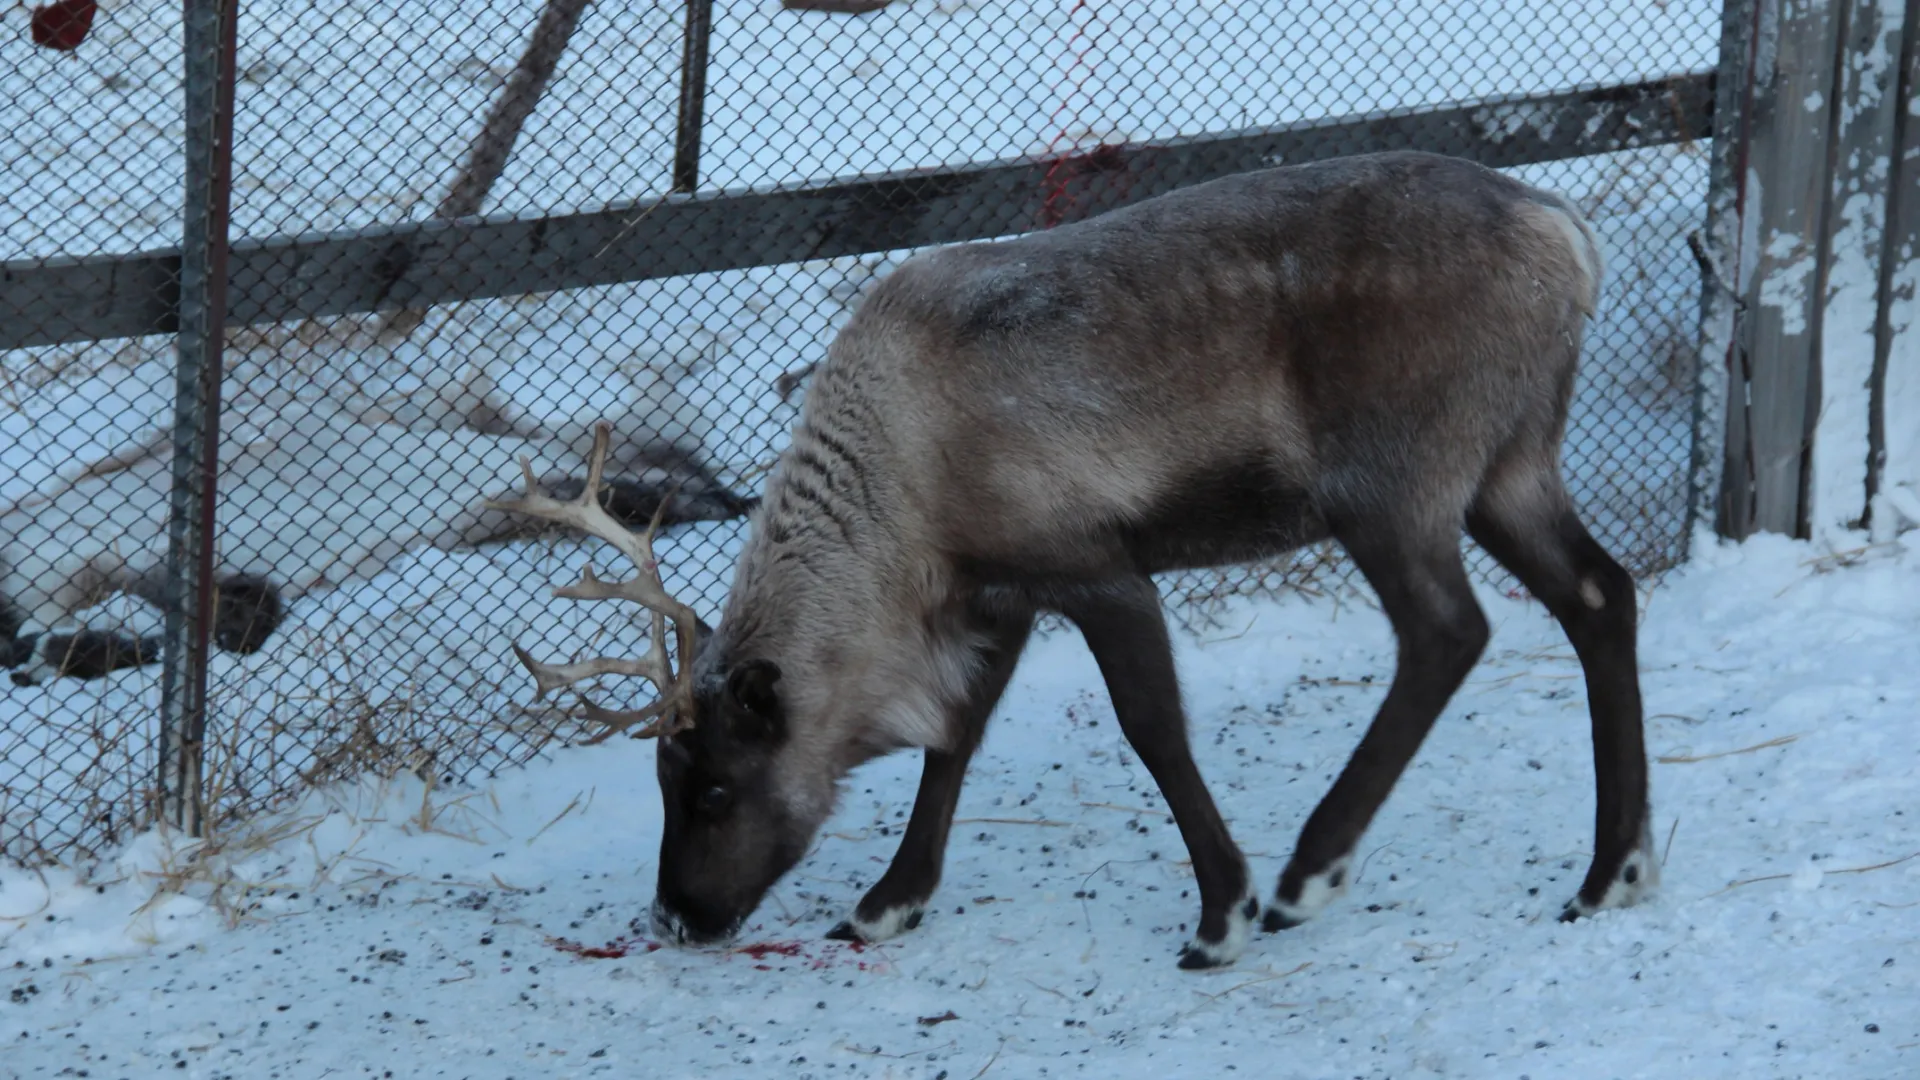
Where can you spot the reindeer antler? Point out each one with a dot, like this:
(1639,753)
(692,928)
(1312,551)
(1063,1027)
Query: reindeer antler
(674,709)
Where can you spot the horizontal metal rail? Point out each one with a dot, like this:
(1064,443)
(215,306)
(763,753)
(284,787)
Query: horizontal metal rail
(53,301)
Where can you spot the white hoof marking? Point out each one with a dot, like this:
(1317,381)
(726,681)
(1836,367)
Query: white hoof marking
(1239,930)
(1319,890)
(892,923)
(1638,878)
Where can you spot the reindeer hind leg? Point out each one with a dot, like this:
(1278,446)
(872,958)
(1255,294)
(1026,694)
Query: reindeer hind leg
(1441,631)
(1524,519)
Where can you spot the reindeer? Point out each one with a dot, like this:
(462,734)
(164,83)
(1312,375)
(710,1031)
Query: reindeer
(1378,350)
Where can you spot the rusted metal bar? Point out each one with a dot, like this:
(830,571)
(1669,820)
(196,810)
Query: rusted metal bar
(298,277)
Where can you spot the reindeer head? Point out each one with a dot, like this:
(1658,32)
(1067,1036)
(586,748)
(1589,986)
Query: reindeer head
(730,831)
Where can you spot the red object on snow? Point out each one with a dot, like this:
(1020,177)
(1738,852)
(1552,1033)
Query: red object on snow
(63,24)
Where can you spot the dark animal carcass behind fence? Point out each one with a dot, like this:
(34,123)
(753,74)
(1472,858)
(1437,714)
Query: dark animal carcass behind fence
(45,583)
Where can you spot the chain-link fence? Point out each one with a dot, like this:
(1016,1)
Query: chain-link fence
(462,233)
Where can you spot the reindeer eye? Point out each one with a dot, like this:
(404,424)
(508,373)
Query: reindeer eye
(714,799)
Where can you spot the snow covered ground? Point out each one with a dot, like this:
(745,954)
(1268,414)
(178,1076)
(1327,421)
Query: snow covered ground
(393,930)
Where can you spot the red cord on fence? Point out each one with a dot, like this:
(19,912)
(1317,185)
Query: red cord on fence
(1056,200)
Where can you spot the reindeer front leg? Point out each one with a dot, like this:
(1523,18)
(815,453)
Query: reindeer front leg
(1126,631)
(898,900)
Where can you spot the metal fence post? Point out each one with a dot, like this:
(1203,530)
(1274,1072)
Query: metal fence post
(693,96)
(209,33)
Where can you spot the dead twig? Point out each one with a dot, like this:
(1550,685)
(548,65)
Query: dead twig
(1126,809)
(1688,759)
(568,809)
(879,1053)
(1845,870)
(991,1060)
(1056,993)
(1876,866)
(45,901)
(1304,965)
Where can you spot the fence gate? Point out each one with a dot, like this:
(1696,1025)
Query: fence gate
(253,436)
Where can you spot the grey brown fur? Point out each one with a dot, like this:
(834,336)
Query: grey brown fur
(1377,349)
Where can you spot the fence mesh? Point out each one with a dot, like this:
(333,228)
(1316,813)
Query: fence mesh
(368,598)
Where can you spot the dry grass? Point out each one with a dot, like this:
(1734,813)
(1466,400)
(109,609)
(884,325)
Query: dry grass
(216,869)
(1688,759)
(94,786)
(1742,883)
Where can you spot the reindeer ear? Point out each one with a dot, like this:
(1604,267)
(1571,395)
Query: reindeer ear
(750,686)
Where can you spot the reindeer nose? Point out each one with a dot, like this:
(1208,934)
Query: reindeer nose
(692,925)
(667,926)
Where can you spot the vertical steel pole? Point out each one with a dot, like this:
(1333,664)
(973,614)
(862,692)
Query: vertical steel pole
(210,30)
(693,96)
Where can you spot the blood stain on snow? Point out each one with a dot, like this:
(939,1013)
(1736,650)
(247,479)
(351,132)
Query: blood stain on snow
(761,950)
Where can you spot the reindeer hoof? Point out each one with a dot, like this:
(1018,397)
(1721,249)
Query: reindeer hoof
(1275,921)
(1196,958)
(1311,896)
(1636,878)
(889,923)
(1201,954)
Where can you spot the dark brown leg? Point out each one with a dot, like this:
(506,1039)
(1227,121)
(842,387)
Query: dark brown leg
(1423,587)
(1127,633)
(897,901)
(1533,531)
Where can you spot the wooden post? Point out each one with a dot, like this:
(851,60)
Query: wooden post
(1803,192)
(1863,199)
(493,145)
(1781,268)
(1893,433)
(1720,468)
